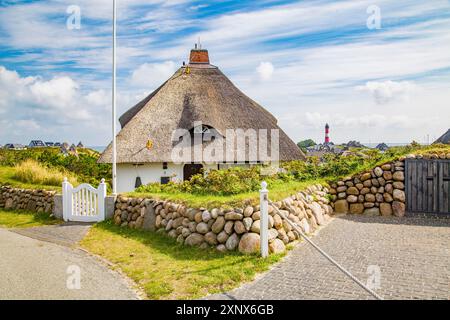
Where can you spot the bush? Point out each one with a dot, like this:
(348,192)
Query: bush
(219,182)
(30,171)
(305,144)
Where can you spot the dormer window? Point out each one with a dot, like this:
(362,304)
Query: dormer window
(201,129)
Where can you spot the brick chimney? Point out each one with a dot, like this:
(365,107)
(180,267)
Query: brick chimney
(199,55)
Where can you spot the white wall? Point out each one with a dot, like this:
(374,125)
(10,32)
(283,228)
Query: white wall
(149,172)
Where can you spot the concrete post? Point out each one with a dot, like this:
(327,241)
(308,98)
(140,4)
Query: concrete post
(102,199)
(264,227)
(65,199)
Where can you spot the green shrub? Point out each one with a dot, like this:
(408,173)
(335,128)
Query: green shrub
(219,182)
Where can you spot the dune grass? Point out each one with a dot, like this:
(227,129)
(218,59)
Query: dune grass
(32,172)
(24,219)
(29,174)
(164,269)
(7,178)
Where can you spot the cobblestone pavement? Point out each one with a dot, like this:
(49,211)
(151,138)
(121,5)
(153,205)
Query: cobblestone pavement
(413,255)
(66,234)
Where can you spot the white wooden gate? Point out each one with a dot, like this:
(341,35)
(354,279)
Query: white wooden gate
(83,203)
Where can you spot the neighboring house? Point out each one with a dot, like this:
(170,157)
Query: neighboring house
(64,148)
(80,145)
(49,144)
(445,138)
(197,104)
(73,149)
(319,150)
(353,144)
(57,144)
(14,146)
(382,147)
(36,144)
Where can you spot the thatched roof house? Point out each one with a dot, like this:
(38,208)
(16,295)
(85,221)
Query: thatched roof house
(197,93)
(445,138)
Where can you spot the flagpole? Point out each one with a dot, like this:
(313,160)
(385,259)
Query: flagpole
(114,151)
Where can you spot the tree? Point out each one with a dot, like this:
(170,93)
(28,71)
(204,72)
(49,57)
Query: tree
(305,144)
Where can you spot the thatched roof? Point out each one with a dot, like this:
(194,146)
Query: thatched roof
(445,138)
(196,92)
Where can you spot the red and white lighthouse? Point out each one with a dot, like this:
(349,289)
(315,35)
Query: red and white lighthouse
(327,131)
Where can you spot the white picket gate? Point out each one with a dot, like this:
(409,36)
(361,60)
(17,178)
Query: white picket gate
(84,203)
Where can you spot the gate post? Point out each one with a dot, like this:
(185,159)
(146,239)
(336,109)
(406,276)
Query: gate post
(65,199)
(264,227)
(102,199)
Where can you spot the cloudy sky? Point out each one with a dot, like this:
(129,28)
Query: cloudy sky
(306,62)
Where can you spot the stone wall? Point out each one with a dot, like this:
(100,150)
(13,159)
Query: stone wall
(380,191)
(32,200)
(227,229)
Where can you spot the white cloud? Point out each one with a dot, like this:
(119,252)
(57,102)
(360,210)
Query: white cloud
(57,92)
(48,106)
(152,75)
(387,91)
(265,70)
(316,75)
(98,98)
(28,125)
(338,120)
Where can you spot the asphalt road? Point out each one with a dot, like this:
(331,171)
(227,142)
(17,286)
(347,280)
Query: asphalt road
(34,269)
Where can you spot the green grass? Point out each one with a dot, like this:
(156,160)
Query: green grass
(7,178)
(164,269)
(24,219)
(277,191)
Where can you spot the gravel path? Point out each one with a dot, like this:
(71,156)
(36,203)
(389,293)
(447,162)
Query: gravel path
(412,254)
(35,269)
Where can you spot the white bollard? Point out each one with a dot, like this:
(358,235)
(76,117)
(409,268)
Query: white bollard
(264,227)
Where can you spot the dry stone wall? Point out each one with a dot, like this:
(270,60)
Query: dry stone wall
(380,191)
(227,229)
(31,200)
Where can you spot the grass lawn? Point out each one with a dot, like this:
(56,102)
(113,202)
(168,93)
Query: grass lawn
(7,179)
(24,219)
(277,191)
(165,269)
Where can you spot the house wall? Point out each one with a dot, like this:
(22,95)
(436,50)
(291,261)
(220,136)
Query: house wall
(149,172)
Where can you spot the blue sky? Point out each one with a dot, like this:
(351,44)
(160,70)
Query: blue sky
(307,62)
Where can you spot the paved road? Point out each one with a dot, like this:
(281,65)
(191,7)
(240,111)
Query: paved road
(35,269)
(66,233)
(413,255)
